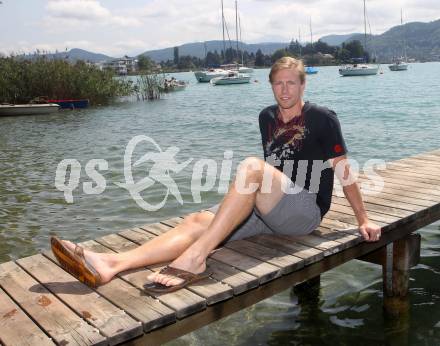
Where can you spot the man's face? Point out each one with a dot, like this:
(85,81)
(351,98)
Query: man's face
(287,88)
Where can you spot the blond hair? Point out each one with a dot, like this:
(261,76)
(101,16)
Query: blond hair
(286,63)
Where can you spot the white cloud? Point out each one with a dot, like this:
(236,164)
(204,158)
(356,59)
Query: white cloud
(85,12)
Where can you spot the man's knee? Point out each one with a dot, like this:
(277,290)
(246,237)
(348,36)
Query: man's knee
(251,168)
(198,219)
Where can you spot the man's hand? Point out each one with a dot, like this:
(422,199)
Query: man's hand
(370,231)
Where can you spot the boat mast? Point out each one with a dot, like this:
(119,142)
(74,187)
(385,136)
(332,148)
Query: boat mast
(299,41)
(223,28)
(365,31)
(404,35)
(311,34)
(241,40)
(236,29)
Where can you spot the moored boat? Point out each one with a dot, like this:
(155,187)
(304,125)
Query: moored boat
(71,103)
(398,66)
(310,70)
(206,76)
(358,70)
(28,109)
(233,77)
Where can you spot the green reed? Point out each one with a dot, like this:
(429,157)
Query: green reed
(23,80)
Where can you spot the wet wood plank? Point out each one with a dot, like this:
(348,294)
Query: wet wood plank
(11,317)
(112,322)
(58,321)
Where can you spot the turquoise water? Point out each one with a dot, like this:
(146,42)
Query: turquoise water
(388,116)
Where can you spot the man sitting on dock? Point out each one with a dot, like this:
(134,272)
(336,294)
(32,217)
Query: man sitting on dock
(286,193)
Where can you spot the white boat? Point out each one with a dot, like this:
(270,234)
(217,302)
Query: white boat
(233,77)
(29,109)
(245,69)
(358,70)
(398,66)
(206,76)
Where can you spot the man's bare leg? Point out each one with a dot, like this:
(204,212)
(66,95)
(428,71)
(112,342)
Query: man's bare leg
(163,248)
(234,209)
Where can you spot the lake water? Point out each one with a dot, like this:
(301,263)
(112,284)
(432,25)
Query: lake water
(388,116)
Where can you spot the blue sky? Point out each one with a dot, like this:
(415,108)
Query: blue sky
(131,27)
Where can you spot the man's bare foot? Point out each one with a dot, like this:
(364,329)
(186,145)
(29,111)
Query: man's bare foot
(187,261)
(103,263)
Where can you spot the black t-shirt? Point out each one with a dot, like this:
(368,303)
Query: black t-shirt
(301,147)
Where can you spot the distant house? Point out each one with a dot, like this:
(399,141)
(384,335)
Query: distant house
(122,66)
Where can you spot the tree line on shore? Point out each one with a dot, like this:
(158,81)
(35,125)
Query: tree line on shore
(318,53)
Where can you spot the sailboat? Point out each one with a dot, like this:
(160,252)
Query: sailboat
(360,69)
(310,69)
(400,64)
(206,75)
(233,77)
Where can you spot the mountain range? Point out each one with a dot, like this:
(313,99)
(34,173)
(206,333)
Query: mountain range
(421,40)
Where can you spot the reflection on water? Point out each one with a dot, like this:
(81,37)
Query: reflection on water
(203,122)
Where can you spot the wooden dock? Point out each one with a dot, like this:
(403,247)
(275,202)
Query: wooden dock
(41,304)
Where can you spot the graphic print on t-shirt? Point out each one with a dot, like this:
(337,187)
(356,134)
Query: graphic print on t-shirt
(286,137)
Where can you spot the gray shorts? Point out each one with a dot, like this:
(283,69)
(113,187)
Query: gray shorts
(295,214)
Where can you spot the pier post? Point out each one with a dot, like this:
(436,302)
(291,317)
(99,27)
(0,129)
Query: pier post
(308,291)
(400,257)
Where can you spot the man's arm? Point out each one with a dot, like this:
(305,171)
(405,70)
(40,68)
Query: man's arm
(369,230)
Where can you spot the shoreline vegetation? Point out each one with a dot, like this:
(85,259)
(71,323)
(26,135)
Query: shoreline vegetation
(25,81)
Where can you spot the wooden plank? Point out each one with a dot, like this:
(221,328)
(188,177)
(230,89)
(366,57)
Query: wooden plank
(112,322)
(329,247)
(286,262)
(345,239)
(55,318)
(156,228)
(150,311)
(416,186)
(12,318)
(182,302)
(374,216)
(424,170)
(239,281)
(373,202)
(397,190)
(410,176)
(137,235)
(390,195)
(262,270)
(209,289)
(173,222)
(308,254)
